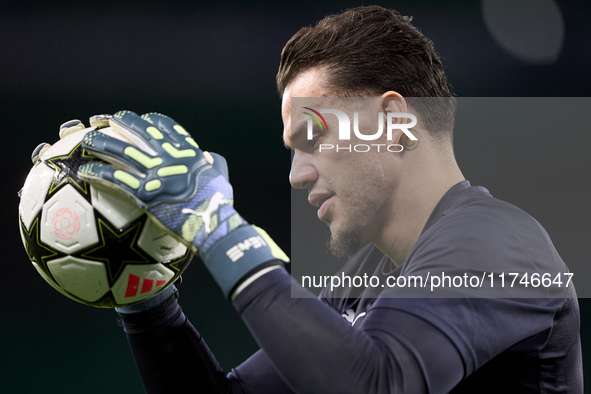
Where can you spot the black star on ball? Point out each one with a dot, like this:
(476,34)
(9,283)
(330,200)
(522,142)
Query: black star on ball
(66,169)
(37,251)
(118,248)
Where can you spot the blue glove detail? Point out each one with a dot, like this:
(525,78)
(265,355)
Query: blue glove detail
(237,254)
(168,175)
(186,192)
(158,164)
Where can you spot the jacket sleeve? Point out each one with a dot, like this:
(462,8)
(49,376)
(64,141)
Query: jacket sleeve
(172,357)
(315,350)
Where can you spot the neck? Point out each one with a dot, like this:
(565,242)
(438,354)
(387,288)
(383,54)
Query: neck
(412,203)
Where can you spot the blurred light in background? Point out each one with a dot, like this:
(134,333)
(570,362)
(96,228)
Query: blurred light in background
(529,30)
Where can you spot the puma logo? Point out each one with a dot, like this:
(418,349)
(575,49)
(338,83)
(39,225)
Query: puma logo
(214,203)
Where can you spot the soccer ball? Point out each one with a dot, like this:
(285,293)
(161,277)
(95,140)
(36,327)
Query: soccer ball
(93,244)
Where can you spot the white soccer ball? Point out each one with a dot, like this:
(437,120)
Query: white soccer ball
(93,244)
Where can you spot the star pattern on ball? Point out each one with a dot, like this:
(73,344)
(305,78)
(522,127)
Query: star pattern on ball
(66,169)
(37,251)
(181,264)
(118,248)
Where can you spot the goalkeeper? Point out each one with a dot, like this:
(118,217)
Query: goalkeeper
(384,344)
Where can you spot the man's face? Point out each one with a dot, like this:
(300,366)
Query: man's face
(350,189)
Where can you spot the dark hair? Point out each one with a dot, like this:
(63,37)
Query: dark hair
(369,51)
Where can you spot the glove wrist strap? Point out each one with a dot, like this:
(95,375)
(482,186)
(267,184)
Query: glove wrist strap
(237,254)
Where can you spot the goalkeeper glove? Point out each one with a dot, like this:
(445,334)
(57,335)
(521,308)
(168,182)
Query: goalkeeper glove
(185,188)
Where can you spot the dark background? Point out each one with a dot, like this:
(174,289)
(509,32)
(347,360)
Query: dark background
(212,67)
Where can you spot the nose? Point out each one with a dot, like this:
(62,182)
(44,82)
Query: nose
(303,175)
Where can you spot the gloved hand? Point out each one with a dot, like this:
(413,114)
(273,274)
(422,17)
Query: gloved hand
(66,129)
(186,189)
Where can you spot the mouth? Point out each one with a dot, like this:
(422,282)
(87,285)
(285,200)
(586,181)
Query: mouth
(324,206)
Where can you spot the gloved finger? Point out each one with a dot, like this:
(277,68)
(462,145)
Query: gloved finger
(100,121)
(219,163)
(185,152)
(106,174)
(132,124)
(174,130)
(39,151)
(158,130)
(168,183)
(119,153)
(70,127)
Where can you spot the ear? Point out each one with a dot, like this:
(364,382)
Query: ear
(394,102)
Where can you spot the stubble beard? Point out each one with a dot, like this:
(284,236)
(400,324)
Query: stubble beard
(344,244)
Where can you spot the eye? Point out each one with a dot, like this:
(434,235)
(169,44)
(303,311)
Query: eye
(312,143)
